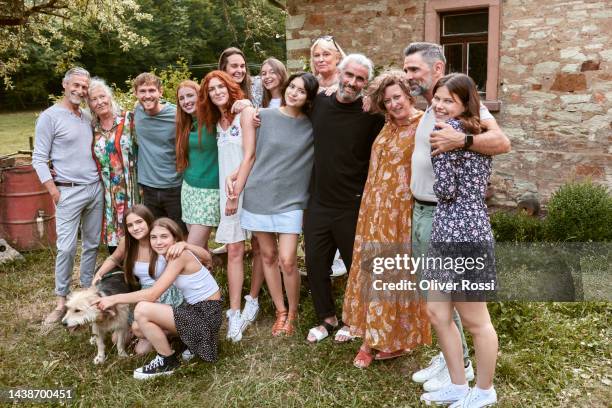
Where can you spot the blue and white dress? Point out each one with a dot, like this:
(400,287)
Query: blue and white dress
(229,143)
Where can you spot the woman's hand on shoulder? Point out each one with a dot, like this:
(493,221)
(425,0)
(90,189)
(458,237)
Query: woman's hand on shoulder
(240,105)
(330,89)
(176,250)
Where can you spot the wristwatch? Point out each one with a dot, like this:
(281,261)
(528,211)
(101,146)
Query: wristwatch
(468,141)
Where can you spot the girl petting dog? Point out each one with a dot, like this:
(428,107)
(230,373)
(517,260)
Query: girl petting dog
(132,256)
(196,321)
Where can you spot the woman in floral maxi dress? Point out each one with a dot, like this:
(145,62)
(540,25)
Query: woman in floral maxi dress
(392,322)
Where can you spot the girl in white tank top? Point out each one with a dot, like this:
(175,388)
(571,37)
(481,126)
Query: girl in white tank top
(197,320)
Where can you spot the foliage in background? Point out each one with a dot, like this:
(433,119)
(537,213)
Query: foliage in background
(170,77)
(577,212)
(580,212)
(55,30)
(516,227)
(196,30)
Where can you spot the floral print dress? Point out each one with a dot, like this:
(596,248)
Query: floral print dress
(461,227)
(387,320)
(116,161)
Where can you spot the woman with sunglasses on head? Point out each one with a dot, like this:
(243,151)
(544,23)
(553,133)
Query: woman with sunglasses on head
(274,201)
(325,55)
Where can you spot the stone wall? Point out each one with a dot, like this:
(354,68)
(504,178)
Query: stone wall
(555,79)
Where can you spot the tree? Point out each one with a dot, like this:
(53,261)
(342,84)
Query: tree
(194,30)
(57,27)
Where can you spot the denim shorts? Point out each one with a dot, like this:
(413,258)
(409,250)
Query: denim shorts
(289,222)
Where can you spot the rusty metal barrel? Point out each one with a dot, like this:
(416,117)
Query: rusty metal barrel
(27,212)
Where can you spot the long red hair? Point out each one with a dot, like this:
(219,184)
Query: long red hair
(184,122)
(208,112)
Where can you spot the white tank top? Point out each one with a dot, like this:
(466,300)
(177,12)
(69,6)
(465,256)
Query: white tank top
(141,271)
(197,286)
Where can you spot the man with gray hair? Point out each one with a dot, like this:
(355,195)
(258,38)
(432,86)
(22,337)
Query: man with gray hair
(343,135)
(424,65)
(63,139)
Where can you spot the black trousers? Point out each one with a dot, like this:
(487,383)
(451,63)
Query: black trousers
(325,230)
(164,202)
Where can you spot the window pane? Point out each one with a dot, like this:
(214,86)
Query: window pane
(477,64)
(458,24)
(454,57)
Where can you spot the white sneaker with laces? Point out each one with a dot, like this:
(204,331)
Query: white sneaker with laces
(436,364)
(446,395)
(250,311)
(477,398)
(442,379)
(187,355)
(234,325)
(221,250)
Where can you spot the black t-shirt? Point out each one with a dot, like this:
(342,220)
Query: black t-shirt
(343,136)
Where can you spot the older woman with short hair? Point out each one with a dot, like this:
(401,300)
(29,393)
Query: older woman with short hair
(392,322)
(114,150)
(325,56)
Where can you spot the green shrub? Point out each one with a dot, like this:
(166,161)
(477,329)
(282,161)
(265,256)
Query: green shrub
(580,212)
(516,227)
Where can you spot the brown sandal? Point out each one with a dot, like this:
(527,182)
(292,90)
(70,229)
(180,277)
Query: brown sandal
(363,359)
(289,327)
(279,324)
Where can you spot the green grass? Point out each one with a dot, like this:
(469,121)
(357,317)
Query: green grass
(550,355)
(15,129)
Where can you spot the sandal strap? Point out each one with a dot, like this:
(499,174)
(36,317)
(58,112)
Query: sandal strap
(281,318)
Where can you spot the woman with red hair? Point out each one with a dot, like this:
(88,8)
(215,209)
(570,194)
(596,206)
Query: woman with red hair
(197,159)
(218,92)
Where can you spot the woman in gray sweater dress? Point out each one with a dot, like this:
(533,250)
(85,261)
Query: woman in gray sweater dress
(275,174)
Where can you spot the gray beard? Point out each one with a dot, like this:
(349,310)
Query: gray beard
(344,96)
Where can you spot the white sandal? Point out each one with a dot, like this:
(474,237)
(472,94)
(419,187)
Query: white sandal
(344,332)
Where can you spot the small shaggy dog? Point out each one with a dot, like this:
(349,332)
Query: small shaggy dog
(81,311)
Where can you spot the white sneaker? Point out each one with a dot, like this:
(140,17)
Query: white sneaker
(477,398)
(221,250)
(234,325)
(338,268)
(442,379)
(187,355)
(250,311)
(446,395)
(435,366)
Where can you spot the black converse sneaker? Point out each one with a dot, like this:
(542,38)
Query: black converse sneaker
(160,365)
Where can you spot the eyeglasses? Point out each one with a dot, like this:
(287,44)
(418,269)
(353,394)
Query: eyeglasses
(327,38)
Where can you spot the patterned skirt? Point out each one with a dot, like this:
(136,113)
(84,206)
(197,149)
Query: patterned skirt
(198,327)
(172,296)
(200,205)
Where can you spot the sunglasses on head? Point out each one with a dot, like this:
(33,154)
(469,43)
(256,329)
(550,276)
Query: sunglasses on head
(328,38)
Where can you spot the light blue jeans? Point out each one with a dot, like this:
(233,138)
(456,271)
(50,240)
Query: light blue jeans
(78,206)
(422,220)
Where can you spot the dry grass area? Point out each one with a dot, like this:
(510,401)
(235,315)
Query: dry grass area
(15,129)
(551,355)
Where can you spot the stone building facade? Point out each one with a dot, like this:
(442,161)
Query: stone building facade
(553,75)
